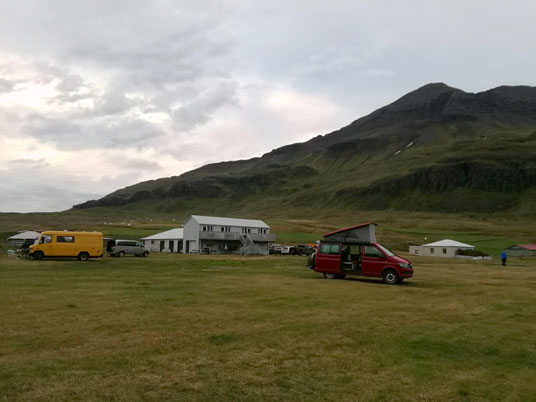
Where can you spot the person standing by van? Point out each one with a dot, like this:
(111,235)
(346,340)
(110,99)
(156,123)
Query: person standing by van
(503,258)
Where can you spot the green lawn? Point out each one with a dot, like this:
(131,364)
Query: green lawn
(214,328)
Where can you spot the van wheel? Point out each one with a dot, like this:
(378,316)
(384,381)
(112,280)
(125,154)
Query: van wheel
(390,277)
(38,255)
(330,276)
(121,254)
(83,256)
(145,253)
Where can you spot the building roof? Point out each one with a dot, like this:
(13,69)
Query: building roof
(214,220)
(531,247)
(29,234)
(348,228)
(448,243)
(176,233)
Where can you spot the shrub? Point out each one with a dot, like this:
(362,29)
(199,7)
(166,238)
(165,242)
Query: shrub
(472,253)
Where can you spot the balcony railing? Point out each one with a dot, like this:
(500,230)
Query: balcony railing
(231,236)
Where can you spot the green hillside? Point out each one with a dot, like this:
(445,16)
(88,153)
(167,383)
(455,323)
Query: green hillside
(435,149)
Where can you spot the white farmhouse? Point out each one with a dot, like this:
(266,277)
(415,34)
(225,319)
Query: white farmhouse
(442,248)
(169,241)
(215,235)
(17,240)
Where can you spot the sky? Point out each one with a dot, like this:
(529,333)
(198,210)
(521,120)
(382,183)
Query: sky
(99,95)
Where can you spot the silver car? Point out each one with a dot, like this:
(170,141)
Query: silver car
(120,248)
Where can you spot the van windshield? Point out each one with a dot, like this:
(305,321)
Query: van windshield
(386,251)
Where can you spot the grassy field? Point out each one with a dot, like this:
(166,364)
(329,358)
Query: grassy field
(214,328)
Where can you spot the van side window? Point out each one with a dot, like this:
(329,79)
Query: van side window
(326,248)
(65,239)
(371,251)
(46,239)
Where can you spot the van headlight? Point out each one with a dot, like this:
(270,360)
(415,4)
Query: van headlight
(401,264)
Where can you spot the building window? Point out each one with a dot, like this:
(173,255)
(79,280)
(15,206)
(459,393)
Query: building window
(431,251)
(152,242)
(416,251)
(444,251)
(204,228)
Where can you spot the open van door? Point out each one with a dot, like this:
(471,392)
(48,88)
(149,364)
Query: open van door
(351,259)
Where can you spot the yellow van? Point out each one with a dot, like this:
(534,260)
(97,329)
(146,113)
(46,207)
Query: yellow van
(82,245)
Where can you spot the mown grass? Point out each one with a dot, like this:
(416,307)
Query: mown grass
(175,327)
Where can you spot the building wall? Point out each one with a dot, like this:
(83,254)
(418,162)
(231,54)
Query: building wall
(154,245)
(191,236)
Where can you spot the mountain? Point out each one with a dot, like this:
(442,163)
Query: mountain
(436,148)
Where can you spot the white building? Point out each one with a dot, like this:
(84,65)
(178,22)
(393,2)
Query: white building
(442,248)
(169,241)
(17,240)
(215,235)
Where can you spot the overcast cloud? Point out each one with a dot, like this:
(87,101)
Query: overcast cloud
(98,95)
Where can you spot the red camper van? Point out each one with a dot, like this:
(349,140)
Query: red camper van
(354,251)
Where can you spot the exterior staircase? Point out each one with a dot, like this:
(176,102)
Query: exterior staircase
(247,244)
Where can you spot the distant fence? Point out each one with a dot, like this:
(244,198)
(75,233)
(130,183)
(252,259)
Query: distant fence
(474,258)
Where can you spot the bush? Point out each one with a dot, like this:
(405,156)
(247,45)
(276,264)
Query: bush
(472,253)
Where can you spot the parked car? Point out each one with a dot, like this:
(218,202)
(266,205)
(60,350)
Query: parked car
(120,248)
(303,249)
(275,249)
(285,249)
(337,260)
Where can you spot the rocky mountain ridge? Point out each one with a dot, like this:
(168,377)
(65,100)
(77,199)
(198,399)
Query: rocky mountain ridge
(434,141)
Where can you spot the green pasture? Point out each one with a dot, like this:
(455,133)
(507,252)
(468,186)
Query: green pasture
(220,328)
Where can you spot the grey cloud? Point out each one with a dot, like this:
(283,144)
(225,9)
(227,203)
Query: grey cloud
(28,163)
(112,103)
(70,83)
(7,85)
(38,190)
(139,164)
(166,52)
(43,190)
(199,110)
(117,133)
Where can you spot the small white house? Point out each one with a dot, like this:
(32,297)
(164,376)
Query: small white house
(442,248)
(169,241)
(17,240)
(217,235)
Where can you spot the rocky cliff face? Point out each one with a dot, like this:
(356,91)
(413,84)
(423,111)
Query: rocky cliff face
(434,141)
